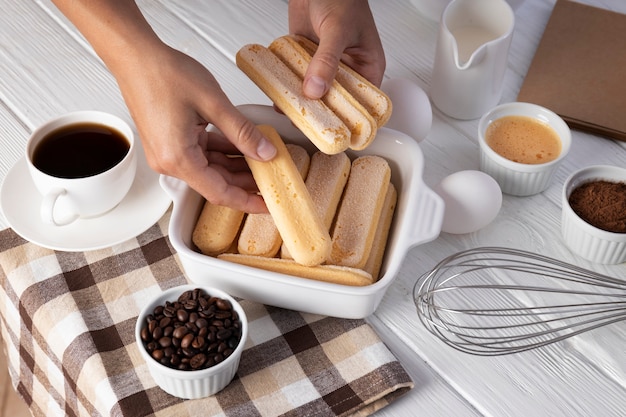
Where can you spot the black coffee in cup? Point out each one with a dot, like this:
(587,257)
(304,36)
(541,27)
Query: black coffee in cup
(80,150)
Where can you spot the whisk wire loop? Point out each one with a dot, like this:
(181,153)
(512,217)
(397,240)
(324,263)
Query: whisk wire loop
(496,301)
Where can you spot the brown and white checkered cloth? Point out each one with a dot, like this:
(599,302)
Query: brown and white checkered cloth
(68,329)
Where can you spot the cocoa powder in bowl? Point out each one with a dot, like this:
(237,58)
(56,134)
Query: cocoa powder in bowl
(601,204)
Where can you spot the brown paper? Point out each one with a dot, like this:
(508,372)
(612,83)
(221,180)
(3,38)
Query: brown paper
(579,69)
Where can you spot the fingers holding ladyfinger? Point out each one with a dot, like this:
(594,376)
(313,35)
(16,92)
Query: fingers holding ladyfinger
(348,116)
(377,103)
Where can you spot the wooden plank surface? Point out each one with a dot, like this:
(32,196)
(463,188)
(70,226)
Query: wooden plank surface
(48,69)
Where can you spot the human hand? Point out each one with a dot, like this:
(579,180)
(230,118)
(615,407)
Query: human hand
(171,98)
(346,31)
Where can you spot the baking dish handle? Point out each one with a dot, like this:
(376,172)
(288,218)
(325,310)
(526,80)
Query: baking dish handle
(427,226)
(172,186)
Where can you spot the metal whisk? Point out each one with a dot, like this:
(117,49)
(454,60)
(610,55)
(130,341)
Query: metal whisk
(495,301)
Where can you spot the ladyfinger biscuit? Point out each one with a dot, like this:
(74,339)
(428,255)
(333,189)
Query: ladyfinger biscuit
(290,203)
(361,124)
(326,180)
(318,123)
(371,97)
(359,212)
(328,273)
(216,228)
(375,260)
(259,235)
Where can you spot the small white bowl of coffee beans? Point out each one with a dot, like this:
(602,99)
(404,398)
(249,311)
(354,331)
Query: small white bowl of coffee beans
(191,338)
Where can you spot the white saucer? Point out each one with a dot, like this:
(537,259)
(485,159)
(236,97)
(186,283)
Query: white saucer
(142,207)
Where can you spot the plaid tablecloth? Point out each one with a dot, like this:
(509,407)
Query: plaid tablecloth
(67,321)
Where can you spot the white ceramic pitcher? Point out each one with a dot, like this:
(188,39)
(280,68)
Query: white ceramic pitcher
(471,56)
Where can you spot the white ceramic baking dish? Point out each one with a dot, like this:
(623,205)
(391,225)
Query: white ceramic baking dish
(417,220)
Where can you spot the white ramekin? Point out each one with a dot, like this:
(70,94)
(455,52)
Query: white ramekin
(516,178)
(587,241)
(199,383)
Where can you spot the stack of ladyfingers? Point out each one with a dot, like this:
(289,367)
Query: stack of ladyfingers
(348,116)
(329,217)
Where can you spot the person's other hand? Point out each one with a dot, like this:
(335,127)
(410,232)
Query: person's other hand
(346,31)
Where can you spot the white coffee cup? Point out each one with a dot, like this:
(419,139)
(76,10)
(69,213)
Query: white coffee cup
(72,189)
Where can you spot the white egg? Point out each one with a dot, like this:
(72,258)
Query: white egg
(411,113)
(472,200)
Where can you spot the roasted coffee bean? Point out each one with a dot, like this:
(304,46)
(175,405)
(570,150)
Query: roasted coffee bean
(211,336)
(152,324)
(145,335)
(184,296)
(197,361)
(186,341)
(175,361)
(180,332)
(198,342)
(212,347)
(182,315)
(157,354)
(165,321)
(169,311)
(165,341)
(194,332)
(224,334)
(222,304)
(188,352)
(168,331)
(233,342)
(157,333)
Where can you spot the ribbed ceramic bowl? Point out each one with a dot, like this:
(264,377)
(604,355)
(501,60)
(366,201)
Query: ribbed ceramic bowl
(193,383)
(417,219)
(516,178)
(590,242)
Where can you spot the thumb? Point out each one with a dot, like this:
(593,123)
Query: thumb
(242,133)
(322,68)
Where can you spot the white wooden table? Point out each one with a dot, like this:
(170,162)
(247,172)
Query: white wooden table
(46,69)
